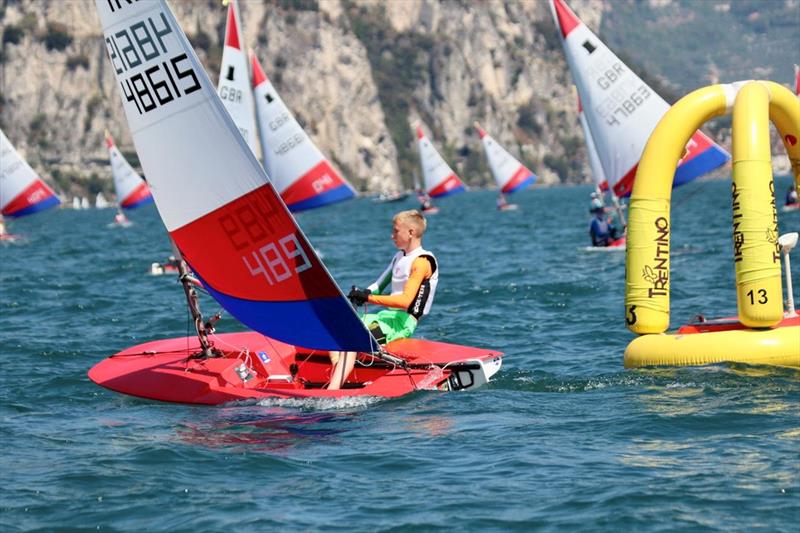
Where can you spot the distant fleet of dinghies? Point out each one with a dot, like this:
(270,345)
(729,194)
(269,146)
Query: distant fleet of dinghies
(229,218)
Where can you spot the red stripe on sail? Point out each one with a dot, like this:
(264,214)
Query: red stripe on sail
(141,192)
(320,179)
(625,185)
(232,31)
(567,20)
(698,144)
(258,73)
(258,253)
(450,183)
(31,195)
(519,176)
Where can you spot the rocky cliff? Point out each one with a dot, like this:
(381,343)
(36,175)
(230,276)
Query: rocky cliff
(358,74)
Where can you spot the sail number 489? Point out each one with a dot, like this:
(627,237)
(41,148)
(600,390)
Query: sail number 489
(278,262)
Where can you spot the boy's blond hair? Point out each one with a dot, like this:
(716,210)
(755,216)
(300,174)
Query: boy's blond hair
(413,219)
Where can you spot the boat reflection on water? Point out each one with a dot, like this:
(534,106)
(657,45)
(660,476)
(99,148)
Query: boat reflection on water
(267,429)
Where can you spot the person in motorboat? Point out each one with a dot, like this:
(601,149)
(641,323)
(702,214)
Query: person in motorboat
(791,196)
(412,276)
(601,229)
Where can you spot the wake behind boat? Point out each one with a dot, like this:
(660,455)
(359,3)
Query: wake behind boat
(241,242)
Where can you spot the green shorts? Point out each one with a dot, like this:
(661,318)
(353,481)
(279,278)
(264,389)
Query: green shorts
(393,323)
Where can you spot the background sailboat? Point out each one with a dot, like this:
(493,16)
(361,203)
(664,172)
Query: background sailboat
(100,201)
(132,191)
(233,86)
(509,174)
(620,109)
(601,186)
(22,191)
(299,171)
(439,178)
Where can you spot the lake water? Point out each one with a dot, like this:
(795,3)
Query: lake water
(563,439)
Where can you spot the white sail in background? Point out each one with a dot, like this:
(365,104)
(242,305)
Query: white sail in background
(299,171)
(622,110)
(100,201)
(22,191)
(509,174)
(596,166)
(131,189)
(439,178)
(234,78)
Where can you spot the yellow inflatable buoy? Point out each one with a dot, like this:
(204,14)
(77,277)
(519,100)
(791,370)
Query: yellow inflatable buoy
(762,333)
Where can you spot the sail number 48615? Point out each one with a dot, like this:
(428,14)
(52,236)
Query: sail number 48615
(163,81)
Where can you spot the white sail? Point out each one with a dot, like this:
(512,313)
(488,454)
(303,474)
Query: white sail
(622,110)
(509,174)
(439,178)
(299,171)
(131,189)
(22,191)
(213,195)
(596,166)
(234,78)
(100,201)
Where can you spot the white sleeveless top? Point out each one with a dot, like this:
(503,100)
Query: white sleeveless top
(400,270)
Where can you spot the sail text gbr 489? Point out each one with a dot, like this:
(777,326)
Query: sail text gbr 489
(231,227)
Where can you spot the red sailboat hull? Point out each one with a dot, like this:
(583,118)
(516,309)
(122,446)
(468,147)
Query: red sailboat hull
(255,367)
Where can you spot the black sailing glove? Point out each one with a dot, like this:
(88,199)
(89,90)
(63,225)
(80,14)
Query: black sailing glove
(357,296)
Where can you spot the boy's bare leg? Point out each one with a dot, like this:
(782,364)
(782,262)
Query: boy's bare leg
(343,363)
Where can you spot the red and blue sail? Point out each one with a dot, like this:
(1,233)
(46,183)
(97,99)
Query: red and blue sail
(439,178)
(214,197)
(22,191)
(132,191)
(509,174)
(299,171)
(621,110)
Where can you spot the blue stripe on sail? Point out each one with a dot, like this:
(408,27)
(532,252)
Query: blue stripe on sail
(143,201)
(707,161)
(524,183)
(47,203)
(320,324)
(340,193)
(451,192)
